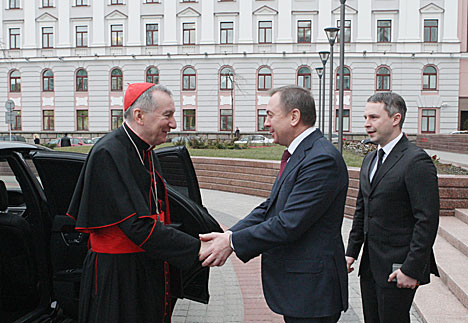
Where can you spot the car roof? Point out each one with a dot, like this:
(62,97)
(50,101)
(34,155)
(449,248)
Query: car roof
(20,145)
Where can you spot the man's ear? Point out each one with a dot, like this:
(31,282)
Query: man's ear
(295,117)
(138,116)
(396,119)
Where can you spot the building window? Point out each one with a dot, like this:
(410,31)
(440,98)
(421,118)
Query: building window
(189,79)
(264,32)
(47,3)
(48,119)
(116,118)
(151,34)
(384,31)
(189,33)
(113,2)
(346,78)
(14,38)
(226,78)
(304,31)
(80,3)
(345,120)
(261,117)
(189,119)
(16,120)
(152,75)
(152,1)
(264,79)
(116,80)
(81,36)
(82,80)
(227,32)
(383,79)
(81,120)
(225,119)
(15,81)
(116,35)
(430,78)
(431,29)
(47,37)
(347,31)
(304,77)
(48,81)
(428,120)
(14,4)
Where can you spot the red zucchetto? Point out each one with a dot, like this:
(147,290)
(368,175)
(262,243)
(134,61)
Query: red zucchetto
(133,92)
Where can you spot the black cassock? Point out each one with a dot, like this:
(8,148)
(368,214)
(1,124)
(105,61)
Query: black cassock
(126,272)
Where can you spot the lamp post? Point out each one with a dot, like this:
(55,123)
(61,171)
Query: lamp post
(341,98)
(331,35)
(319,71)
(324,58)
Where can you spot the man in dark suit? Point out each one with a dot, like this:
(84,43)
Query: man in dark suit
(297,230)
(397,215)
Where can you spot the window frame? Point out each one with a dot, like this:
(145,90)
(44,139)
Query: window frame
(229,82)
(427,119)
(260,117)
(82,121)
(228,32)
(81,3)
(47,38)
(267,31)
(347,31)
(346,75)
(380,79)
(48,121)
(17,82)
(346,120)
(18,122)
(190,78)
(385,30)
(15,37)
(304,76)
(16,4)
(116,2)
(84,81)
(304,30)
(82,36)
(431,31)
(117,80)
(430,77)
(47,81)
(191,118)
(116,119)
(263,77)
(116,35)
(228,120)
(190,32)
(152,33)
(151,75)
(47,3)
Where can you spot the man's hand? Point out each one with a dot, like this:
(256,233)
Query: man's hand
(403,281)
(349,263)
(218,248)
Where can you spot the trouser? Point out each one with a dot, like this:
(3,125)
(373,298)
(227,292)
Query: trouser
(326,319)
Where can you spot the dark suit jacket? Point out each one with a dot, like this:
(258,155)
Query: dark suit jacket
(397,215)
(298,232)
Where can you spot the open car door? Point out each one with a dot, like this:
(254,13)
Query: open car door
(59,172)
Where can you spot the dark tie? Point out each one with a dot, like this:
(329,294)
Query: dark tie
(284,161)
(379,162)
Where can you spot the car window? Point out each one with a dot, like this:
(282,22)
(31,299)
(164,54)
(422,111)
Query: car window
(75,141)
(6,175)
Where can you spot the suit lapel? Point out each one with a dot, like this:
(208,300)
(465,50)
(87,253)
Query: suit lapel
(295,159)
(395,155)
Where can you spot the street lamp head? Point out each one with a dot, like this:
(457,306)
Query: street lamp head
(319,71)
(324,56)
(332,32)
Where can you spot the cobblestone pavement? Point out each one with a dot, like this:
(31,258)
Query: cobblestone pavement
(236,289)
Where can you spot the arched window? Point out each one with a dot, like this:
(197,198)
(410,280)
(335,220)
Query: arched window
(152,75)
(346,78)
(304,77)
(226,78)
(48,81)
(189,79)
(82,80)
(430,78)
(383,79)
(264,79)
(116,79)
(15,81)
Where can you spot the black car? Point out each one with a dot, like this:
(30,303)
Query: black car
(41,253)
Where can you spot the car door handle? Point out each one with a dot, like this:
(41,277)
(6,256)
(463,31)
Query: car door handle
(72,238)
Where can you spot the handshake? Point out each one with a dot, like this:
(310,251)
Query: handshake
(215,248)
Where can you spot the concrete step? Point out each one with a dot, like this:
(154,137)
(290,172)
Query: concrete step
(435,303)
(462,214)
(455,231)
(453,266)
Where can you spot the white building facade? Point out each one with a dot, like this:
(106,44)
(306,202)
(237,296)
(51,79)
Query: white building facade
(66,63)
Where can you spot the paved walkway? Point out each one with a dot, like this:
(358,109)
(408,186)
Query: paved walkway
(456,159)
(236,288)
